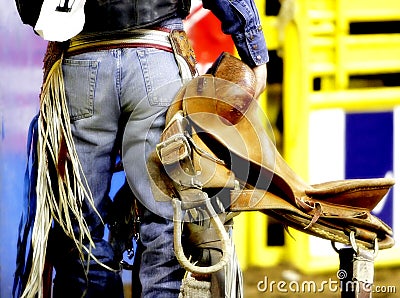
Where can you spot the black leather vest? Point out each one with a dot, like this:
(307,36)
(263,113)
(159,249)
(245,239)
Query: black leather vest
(110,15)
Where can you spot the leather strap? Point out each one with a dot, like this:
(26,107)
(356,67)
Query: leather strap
(183,50)
(174,154)
(356,272)
(133,38)
(333,222)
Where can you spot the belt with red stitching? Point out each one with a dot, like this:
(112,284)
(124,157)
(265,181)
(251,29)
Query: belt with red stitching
(155,38)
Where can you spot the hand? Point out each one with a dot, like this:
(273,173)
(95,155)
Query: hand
(261,79)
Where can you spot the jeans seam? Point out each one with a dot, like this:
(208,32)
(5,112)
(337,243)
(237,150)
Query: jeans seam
(142,56)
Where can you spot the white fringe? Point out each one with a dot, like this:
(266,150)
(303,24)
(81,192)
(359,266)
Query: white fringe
(233,277)
(72,191)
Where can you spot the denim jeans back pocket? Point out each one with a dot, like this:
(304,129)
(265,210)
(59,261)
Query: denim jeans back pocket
(80,81)
(161,76)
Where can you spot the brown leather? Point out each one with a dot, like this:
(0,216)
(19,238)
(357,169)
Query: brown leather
(248,140)
(237,100)
(182,47)
(356,192)
(333,223)
(230,68)
(329,210)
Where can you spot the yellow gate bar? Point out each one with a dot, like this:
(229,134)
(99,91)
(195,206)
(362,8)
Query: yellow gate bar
(368,99)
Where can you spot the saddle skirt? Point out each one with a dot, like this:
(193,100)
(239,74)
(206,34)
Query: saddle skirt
(216,124)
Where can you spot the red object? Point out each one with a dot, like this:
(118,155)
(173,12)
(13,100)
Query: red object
(208,40)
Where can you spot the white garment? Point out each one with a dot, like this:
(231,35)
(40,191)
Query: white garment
(56,25)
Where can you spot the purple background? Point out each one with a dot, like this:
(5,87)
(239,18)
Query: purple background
(21,60)
(21,54)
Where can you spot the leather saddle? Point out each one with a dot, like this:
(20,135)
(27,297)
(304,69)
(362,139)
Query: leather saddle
(215,125)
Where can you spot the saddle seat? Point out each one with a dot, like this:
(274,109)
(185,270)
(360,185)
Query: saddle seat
(230,149)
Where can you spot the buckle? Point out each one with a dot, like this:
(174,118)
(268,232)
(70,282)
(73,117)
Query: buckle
(173,150)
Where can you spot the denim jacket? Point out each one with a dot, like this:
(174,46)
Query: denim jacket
(240,19)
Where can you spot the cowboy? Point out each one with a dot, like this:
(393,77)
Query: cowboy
(119,70)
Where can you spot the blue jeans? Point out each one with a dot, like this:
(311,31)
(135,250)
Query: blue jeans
(112,93)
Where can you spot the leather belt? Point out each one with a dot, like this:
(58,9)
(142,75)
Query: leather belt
(133,38)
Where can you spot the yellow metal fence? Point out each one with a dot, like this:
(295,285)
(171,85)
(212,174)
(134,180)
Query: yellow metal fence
(317,43)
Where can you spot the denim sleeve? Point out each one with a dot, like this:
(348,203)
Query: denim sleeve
(240,19)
